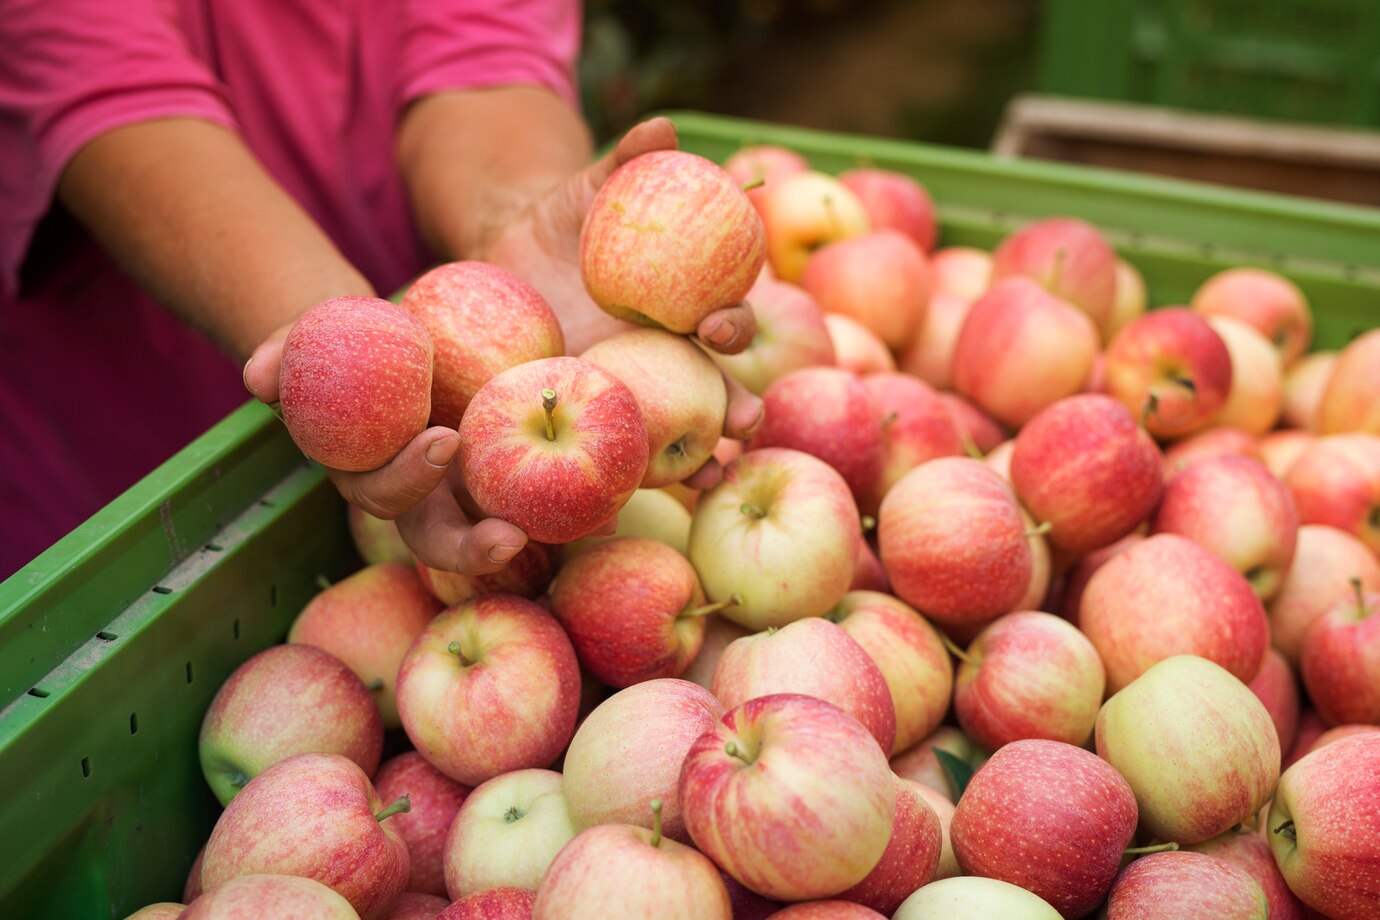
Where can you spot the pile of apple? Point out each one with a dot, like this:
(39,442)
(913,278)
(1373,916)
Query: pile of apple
(1002,612)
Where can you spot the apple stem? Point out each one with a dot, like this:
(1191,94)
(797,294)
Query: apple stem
(752,511)
(375,685)
(1060,256)
(706,609)
(1039,529)
(401,806)
(656,822)
(548,402)
(1157,848)
(954,649)
(732,750)
(1360,591)
(454,649)
(869,523)
(1287,829)
(1187,383)
(970,446)
(755,183)
(890,418)
(1152,405)
(323,582)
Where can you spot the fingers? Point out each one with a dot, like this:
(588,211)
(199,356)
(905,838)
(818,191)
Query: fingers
(442,537)
(730,330)
(707,476)
(650,135)
(261,370)
(408,478)
(745,411)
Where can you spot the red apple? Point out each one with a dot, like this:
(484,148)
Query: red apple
(1171,370)
(1277,688)
(910,858)
(527,575)
(1069,258)
(412,905)
(1310,731)
(881,279)
(1351,399)
(191,888)
(1325,562)
(376,540)
(1076,579)
(507,833)
(802,212)
(791,334)
(269,896)
(930,354)
(856,348)
(435,800)
(827,910)
(1337,734)
(921,765)
(962,271)
(760,164)
(492,904)
(1130,297)
(1171,886)
(719,631)
(1304,385)
(1341,660)
(868,574)
(1217,441)
(1250,852)
(1337,481)
(1265,300)
(1279,449)
(979,431)
(916,427)
(895,201)
(1256,396)
(944,809)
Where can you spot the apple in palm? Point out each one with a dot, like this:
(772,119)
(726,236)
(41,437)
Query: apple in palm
(1270,303)
(434,801)
(1351,399)
(1171,370)
(881,279)
(1067,257)
(894,201)
(857,348)
(803,212)
(266,895)
(791,334)
(1167,886)
(1336,481)
(507,833)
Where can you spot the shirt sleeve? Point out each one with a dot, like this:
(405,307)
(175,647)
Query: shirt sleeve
(72,70)
(465,44)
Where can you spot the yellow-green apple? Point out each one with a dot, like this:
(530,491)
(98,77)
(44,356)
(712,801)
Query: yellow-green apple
(1171,886)
(1340,663)
(1086,468)
(973,896)
(1277,689)
(435,800)
(355,382)
(1217,441)
(651,513)
(781,533)
(270,896)
(554,446)
(1336,481)
(492,904)
(791,334)
(507,833)
(317,816)
(1168,596)
(881,279)
(1171,369)
(1269,302)
(680,392)
(482,320)
(1130,299)
(1022,349)
(1325,562)
(1256,396)
(1304,384)
(171,910)
(1049,817)
(910,859)
(1279,449)
(857,348)
(669,239)
(920,764)
(1029,675)
(947,867)
(962,271)
(1351,399)
(491,685)
(804,211)
(1250,852)
(413,905)
(1236,508)
(1067,257)
(1075,581)
(980,432)
(916,426)
(953,543)
(930,354)
(628,871)
(286,700)
(628,753)
(369,621)
(1196,745)
(828,910)
(791,768)
(719,631)
(894,201)
(910,656)
(527,575)
(377,541)
(755,166)
(813,657)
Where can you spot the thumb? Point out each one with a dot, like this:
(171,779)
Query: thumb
(651,135)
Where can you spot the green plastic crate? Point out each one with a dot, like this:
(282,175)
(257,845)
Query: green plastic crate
(1298,60)
(113,642)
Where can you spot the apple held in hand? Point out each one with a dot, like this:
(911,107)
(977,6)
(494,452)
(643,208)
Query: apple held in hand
(894,201)
(1067,257)
(881,279)
(1170,886)
(791,334)
(974,896)
(1336,481)
(1341,660)
(554,446)
(1267,301)
(269,896)
(803,212)
(434,799)
(1171,370)
(527,575)
(507,833)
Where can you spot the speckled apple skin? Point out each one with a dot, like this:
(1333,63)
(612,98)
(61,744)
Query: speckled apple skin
(669,239)
(413,905)
(1170,886)
(1265,300)
(254,897)
(527,575)
(482,320)
(1170,342)
(827,910)
(1340,664)
(1336,481)
(493,904)
(894,201)
(916,427)
(909,860)
(1351,399)
(355,382)
(1250,852)
(560,490)
(881,279)
(1325,561)
(947,867)
(791,334)
(312,815)
(1084,275)
(857,348)
(436,798)
(1277,688)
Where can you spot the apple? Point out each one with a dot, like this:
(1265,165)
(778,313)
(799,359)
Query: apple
(868,574)
(999,458)
(1337,481)
(355,382)
(1325,562)
(920,764)
(1168,596)
(1279,449)
(746,904)
(1197,747)
(1022,349)
(1265,300)
(1340,662)
(413,905)
(916,427)
(1256,396)
(1170,886)
(910,858)
(482,320)
(881,279)
(1217,441)
(1130,300)
(1049,817)
(286,700)
(791,768)
(651,513)
(1304,385)
(760,164)
(269,896)
(435,799)
(1171,369)
(803,212)
(828,910)
(1087,469)
(171,910)
(1310,731)
(191,888)
(1351,399)
(857,349)
(930,354)
(555,446)
(527,575)
(894,201)
(506,833)
(961,271)
(780,532)
(628,753)
(492,904)
(1337,734)
(979,431)
(791,334)
(492,685)
(1250,852)
(719,632)
(1277,688)
(317,816)
(1067,257)
(952,898)
(368,621)
(944,809)
(377,541)
(1075,581)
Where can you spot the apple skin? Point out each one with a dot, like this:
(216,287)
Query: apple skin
(482,320)
(492,904)
(953,543)
(1304,385)
(1130,300)
(680,392)
(1171,886)
(1337,481)
(947,866)
(828,910)
(1167,596)
(747,904)
(629,752)
(270,896)
(1217,441)
(413,905)
(560,490)
(910,656)
(856,348)
(286,700)
(764,163)
(368,621)
(827,413)
(1075,581)
(1256,397)
(527,575)
(881,279)
(1280,449)
(979,431)
(910,858)
(791,334)
(1277,688)
(919,764)
(804,211)
(1351,399)
(1029,675)
(719,632)
(794,560)
(1049,817)
(506,833)
(1146,361)
(795,750)
(1250,852)
(1197,747)
(1067,257)
(651,513)
(868,574)
(311,815)
(1340,663)
(435,798)
(191,888)
(171,910)
(963,271)
(1236,508)
(1270,303)
(506,701)
(1325,561)
(1022,349)
(355,382)
(1310,731)
(1084,466)
(930,354)
(669,239)
(916,427)
(1337,734)
(377,541)
(952,898)
(895,201)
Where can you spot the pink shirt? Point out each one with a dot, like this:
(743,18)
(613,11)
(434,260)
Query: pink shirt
(97,383)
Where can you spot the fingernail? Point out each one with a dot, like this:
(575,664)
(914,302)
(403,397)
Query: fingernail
(500,553)
(752,429)
(244,375)
(723,333)
(442,450)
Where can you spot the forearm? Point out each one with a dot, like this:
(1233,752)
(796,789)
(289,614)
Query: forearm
(185,208)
